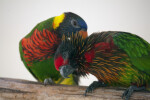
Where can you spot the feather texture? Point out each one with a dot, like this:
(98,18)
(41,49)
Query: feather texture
(38,47)
(115,58)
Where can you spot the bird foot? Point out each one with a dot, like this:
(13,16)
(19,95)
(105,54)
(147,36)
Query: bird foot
(48,81)
(93,86)
(126,95)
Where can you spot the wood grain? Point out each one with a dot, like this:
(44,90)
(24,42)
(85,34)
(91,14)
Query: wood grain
(16,89)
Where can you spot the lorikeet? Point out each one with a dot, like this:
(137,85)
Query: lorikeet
(38,47)
(115,58)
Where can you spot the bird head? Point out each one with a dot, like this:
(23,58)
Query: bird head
(68,23)
(68,58)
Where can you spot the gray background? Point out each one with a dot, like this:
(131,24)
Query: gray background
(18,17)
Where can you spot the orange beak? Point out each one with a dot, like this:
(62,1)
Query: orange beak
(83,33)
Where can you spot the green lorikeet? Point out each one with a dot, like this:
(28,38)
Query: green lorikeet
(37,48)
(115,58)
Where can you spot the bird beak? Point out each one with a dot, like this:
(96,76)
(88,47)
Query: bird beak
(83,33)
(66,70)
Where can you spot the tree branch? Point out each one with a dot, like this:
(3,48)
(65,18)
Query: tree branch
(16,89)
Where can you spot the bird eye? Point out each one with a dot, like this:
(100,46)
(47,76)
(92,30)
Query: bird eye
(74,23)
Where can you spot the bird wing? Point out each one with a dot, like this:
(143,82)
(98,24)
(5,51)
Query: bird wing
(25,63)
(137,49)
(38,50)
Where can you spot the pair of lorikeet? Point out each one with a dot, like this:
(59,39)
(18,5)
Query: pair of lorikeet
(58,51)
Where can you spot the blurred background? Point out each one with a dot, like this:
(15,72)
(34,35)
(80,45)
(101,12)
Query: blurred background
(18,17)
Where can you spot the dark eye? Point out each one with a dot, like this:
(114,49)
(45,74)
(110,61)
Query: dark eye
(74,23)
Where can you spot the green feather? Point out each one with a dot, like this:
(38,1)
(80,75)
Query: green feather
(25,63)
(47,24)
(127,63)
(37,68)
(137,49)
(38,47)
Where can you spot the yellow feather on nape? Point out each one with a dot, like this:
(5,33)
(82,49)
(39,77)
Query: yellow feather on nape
(58,20)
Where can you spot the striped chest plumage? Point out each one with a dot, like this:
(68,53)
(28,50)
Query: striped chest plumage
(40,46)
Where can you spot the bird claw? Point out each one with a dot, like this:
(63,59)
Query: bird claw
(93,86)
(127,93)
(48,81)
(89,90)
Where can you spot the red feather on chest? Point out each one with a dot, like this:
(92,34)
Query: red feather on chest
(103,47)
(40,45)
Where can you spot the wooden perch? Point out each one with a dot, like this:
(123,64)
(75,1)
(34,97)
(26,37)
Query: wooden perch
(16,89)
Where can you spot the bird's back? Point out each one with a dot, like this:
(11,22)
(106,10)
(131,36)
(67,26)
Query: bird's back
(112,62)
